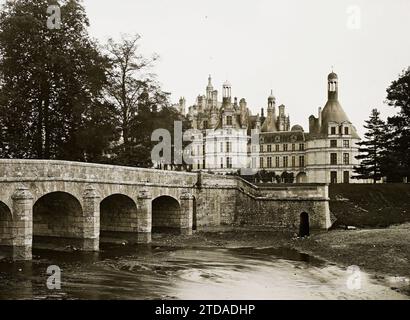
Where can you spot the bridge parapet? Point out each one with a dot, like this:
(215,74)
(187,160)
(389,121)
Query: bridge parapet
(43,170)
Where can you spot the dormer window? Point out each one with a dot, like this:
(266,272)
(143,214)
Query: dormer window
(346,130)
(228,120)
(332,130)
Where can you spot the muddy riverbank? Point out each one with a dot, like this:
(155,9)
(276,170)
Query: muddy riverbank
(222,264)
(382,252)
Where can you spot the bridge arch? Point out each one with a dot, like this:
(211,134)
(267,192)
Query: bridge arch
(57,220)
(166,214)
(118,218)
(5,225)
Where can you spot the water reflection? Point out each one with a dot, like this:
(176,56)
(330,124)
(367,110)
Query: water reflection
(149,272)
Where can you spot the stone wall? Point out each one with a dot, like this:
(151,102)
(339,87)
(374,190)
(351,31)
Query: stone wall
(280,206)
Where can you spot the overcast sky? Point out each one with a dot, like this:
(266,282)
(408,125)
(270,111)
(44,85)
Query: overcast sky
(288,46)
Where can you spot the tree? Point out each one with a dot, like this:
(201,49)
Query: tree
(372,149)
(139,103)
(51,83)
(398,96)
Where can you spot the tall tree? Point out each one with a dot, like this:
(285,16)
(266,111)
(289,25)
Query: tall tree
(137,99)
(372,149)
(51,80)
(398,96)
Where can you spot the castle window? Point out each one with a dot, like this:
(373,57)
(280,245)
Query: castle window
(333,158)
(261,162)
(277,148)
(301,146)
(333,176)
(346,130)
(269,148)
(229,162)
(285,147)
(285,162)
(229,120)
(333,143)
(332,130)
(269,162)
(205,124)
(293,161)
(277,162)
(228,146)
(346,158)
(346,143)
(301,161)
(293,147)
(221,149)
(346,176)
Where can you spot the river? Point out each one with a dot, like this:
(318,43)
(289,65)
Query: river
(150,272)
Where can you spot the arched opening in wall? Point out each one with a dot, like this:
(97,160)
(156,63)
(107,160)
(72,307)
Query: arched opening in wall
(166,215)
(287,177)
(301,177)
(118,219)
(194,216)
(304,228)
(57,221)
(6,233)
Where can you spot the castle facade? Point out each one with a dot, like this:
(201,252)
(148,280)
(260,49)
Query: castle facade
(228,138)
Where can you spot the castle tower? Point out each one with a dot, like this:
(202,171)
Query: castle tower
(269,125)
(333,111)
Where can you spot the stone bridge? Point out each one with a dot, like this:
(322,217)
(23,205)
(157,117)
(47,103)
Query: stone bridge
(76,204)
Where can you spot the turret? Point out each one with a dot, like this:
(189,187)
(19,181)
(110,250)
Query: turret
(209,90)
(182,104)
(332,86)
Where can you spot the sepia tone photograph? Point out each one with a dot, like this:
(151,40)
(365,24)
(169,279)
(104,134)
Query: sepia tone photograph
(204,151)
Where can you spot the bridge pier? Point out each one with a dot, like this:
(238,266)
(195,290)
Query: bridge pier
(91,216)
(22,224)
(187,213)
(144,219)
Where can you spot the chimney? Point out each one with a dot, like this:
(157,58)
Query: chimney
(320,117)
